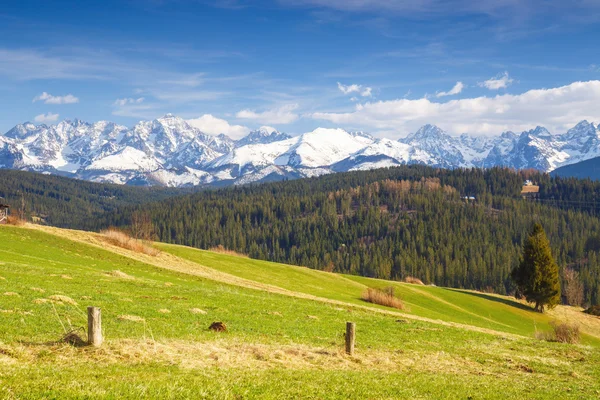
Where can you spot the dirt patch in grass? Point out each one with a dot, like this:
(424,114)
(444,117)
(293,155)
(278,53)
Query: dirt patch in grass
(61,299)
(197,311)
(132,318)
(118,274)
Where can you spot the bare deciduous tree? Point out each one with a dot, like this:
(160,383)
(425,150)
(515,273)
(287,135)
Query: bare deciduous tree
(141,226)
(572,287)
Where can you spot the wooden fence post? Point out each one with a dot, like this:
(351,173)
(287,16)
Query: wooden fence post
(350,336)
(94,326)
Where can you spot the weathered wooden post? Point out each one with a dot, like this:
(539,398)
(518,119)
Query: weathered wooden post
(350,336)
(94,326)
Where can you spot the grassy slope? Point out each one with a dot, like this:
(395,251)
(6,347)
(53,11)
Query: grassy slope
(486,311)
(277,346)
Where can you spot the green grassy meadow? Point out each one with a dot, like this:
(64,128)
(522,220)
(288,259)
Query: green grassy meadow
(157,344)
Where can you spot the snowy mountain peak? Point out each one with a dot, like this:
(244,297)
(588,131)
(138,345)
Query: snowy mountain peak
(169,151)
(539,132)
(426,132)
(263,135)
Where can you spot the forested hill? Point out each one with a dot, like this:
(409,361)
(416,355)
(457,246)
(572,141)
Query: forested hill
(391,223)
(71,203)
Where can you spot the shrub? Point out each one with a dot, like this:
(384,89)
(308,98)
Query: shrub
(385,297)
(413,280)
(593,310)
(121,239)
(14,220)
(562,333)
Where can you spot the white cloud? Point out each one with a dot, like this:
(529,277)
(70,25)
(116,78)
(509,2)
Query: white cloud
(456,89)
(348,89)
(556,108)
(46,118)
(47,98)
(501,81)
(129,100)
(215,126)
(281,115)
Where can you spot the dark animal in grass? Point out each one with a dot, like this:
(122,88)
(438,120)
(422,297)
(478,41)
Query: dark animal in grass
(218,327)
(73,339)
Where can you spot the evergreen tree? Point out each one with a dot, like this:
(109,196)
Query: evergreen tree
(537,275)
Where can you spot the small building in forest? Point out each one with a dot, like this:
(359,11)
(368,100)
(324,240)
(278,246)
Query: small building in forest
(3,213)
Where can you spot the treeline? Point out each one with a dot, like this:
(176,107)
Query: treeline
(70,203)
(389,223)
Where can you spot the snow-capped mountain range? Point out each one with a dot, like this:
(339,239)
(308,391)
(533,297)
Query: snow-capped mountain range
(168,151)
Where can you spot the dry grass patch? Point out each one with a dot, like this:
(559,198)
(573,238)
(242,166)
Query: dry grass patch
(222,250)
(197,311)
(132,318)
(164,311)
(61,299)
(68,277)
(121,239)
(414,281)
(40,301)
(118,274)
(11,294)
(385,297)
(37,289)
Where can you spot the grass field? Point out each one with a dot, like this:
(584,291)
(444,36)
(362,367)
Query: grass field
(285,331)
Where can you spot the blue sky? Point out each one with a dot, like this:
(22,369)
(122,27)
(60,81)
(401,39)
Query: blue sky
(229,66)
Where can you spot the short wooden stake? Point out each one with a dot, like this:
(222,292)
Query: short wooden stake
(350,336)
(94,326)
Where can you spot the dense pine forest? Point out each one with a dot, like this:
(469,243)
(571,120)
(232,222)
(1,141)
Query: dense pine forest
(456,228)
(70,203)
(459,228)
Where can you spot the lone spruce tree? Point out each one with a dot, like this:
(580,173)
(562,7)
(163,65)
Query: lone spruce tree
(537,275)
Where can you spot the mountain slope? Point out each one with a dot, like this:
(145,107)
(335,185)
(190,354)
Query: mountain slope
(170,152)
(582,170)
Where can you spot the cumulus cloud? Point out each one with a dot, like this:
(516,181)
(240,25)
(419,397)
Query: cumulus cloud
(348,89)
(47,98)
(129,100)
(456,89)
(215,126)
(46,118)
(555,108)
(281,115)
(501,81)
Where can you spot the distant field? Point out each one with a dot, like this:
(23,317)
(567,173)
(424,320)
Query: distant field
(285,331)
(530,189)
